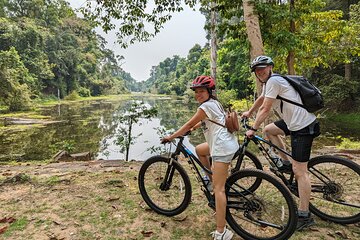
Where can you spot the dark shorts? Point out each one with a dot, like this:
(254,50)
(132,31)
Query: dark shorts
(301,140)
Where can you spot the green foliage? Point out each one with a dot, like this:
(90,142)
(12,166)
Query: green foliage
(241,105)
(226,96)
(339,93)
(49,49)
(83,92)
(14,79)
(347,143)
(72,96)
(135,18)
(233,70)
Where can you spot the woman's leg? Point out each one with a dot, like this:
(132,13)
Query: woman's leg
(203,152)
(220,174)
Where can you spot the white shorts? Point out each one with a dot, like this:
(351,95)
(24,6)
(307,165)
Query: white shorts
(223,159)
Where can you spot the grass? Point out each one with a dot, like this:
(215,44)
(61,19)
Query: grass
(105,204)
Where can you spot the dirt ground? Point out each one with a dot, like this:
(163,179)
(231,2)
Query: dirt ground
(101,200)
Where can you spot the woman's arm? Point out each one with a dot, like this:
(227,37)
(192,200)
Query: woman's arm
(194,121)
(196,126)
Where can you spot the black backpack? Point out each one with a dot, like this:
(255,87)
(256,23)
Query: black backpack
(310,95)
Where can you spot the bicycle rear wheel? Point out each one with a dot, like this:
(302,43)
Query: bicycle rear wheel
(164,186)
(269,212)
(335,185)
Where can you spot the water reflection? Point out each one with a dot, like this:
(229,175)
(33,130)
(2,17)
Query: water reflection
(91,126)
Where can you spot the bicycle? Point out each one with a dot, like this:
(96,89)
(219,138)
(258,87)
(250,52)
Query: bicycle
(268,213)
(335,181)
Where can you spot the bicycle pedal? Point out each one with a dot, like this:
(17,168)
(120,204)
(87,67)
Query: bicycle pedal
(211,204)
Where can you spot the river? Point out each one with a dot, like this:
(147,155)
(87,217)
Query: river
(93,126)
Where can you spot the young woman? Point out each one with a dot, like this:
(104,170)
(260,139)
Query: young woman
(220,145)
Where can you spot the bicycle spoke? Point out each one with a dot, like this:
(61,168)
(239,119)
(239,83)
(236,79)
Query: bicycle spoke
(335,187)
(165,187)
(264,213)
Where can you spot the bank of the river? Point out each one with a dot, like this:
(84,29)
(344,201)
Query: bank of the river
(101,200)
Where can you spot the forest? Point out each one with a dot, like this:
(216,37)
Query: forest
(48,51)
(325,43)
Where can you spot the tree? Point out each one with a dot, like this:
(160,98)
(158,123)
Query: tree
(134,113)
(133,17)
(254,34)
(15,78)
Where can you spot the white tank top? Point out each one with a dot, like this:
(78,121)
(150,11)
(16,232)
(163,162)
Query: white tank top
(221,142)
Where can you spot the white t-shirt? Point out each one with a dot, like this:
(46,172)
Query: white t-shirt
(221,142)
(294,116)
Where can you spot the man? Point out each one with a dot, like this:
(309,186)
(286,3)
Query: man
(301,125)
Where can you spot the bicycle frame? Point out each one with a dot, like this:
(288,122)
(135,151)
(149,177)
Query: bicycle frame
(194,162)
(289,182)
(261,142)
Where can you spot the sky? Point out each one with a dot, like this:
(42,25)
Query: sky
(178,36)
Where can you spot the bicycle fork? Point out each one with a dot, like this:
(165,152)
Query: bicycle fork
(165,185)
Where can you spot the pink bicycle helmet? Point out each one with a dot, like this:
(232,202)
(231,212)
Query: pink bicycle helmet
(203,81)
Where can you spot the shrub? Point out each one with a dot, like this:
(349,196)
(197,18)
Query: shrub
(72,96)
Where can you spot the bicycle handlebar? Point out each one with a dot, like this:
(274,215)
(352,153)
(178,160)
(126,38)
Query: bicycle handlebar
(164,141)
(245,123)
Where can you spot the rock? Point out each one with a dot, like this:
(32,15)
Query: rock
(62,156)
(84,156)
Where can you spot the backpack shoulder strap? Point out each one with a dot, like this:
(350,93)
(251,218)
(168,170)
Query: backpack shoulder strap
(222,110)
(285,99)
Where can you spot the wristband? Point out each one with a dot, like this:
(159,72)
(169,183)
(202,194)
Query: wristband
(251,128)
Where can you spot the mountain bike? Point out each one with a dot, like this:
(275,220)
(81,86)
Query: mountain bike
(269,212)
(335,181)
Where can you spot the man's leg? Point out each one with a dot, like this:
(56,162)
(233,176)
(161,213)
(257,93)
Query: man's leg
(301,149)
(273,133)
(304,184)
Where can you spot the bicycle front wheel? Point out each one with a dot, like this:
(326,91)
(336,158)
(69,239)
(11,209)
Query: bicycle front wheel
(164,185)
(335,184)
(269,212)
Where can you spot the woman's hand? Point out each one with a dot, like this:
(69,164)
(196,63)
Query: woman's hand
(166,139)
(246,114)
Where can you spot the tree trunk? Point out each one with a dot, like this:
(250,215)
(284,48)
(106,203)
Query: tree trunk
(128,141)
(213,43)
(290,60)
(347,71)
(254,34)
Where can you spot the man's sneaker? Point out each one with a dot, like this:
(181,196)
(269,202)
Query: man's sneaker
(304,222)
(225,235)
(286,168)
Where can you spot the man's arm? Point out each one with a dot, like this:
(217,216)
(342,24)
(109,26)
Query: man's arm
(257,104)
(261,115)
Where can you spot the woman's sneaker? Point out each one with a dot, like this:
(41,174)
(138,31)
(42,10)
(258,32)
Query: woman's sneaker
(225,235)
(208,183)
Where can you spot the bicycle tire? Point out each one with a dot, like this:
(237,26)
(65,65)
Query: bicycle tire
(168,202)
(250,161)
(253,161)
(330,198)
(268,213)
